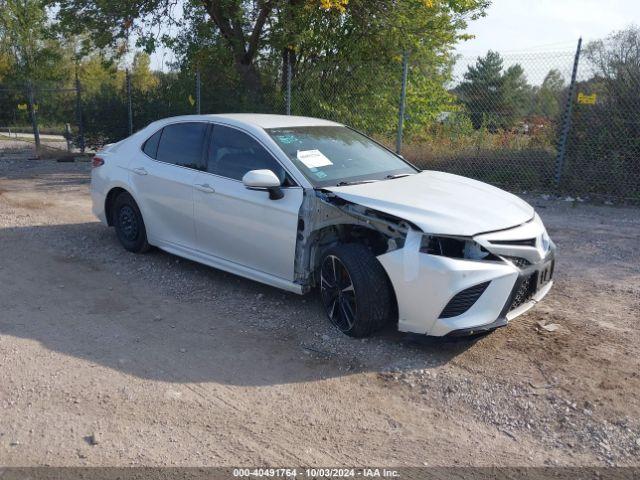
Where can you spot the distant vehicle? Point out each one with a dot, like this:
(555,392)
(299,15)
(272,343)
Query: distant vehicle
(301,203)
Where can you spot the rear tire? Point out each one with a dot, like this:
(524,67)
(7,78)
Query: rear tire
(129,224)
(355,290)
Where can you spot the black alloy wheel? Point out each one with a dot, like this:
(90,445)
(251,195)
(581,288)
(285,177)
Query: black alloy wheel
(355,290)
(338,293)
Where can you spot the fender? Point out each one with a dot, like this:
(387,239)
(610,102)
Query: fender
(127,188)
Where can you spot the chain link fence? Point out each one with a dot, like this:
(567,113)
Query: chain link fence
(42,114)
(364,96)
(505,124)
(603,144)
(563,122)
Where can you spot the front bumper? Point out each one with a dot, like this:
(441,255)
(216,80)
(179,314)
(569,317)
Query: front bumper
(522,298)
(425,284)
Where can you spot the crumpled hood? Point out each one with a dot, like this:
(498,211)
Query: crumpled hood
(441,203)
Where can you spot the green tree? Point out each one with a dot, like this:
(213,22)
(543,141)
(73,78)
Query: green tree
(29,42)
(346,60)
(482,91)
(548,96)
(518,96)
(96,71)
(142,78)
(6,65)
(30,54)
(495,98)
(254,32)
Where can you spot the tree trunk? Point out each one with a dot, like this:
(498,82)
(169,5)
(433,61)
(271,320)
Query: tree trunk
(230,19)
(251,79)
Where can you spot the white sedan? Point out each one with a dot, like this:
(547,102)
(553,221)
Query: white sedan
(299,203)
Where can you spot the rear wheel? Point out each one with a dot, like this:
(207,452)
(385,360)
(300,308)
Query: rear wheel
(129,225)
(355,291)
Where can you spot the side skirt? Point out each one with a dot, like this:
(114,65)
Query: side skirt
(228,266)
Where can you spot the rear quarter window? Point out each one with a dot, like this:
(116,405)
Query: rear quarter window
(150,147)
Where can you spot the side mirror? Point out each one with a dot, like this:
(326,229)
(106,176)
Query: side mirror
(264,180)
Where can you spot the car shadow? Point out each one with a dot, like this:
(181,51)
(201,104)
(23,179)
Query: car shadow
(73,289)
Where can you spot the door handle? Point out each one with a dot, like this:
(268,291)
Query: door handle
(139,171)
(205,188)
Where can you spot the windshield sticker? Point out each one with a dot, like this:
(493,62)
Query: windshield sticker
(320,174)
(287,139)
(313,158)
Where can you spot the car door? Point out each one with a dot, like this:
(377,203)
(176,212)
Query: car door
(162,178)
(241,225)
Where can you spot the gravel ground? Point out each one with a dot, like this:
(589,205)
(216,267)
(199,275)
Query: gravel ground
(110,358)
(23,148)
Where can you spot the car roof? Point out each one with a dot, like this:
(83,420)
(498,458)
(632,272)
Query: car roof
(260,120)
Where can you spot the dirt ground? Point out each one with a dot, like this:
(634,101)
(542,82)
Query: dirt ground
(110,358)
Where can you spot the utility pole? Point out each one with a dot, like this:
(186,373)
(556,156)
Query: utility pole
(403,99)
(198,91)
(289,75)
(79,113)
(34,118)
(129,106)
(566,118)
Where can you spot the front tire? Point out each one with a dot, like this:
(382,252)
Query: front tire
(355,290)
(129,224)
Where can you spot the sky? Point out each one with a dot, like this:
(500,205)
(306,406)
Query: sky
(524,25)
(543,34)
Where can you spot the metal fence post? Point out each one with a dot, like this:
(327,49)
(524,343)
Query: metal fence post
(67,136)
(34,118)
(81,143)
(198,91)
(129,106)
(566,118)
(403,98)
(289,75)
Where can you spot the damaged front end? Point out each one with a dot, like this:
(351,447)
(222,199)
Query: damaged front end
(325,219)
(442,284)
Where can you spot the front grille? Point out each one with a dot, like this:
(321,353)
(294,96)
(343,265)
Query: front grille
(528,242)
(518,261)
(524,291)
(464,300)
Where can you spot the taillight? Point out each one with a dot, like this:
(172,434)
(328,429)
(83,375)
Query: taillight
(97,162)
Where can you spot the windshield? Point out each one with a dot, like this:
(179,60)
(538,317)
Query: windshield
(337,155)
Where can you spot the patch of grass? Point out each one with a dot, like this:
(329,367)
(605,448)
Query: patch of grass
(523,169)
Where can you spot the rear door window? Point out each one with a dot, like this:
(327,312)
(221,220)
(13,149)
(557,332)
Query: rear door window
(182,144)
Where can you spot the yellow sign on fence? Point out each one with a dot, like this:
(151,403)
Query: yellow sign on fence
(24,107)
(587,99)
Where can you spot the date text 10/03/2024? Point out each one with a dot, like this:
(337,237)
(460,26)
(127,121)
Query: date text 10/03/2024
(316,472)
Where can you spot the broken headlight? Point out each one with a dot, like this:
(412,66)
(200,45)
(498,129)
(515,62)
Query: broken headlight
(453,247)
